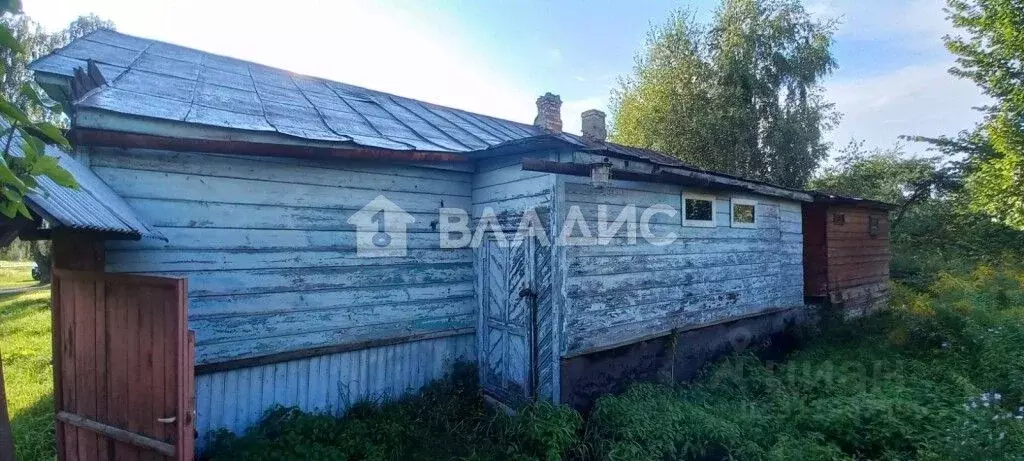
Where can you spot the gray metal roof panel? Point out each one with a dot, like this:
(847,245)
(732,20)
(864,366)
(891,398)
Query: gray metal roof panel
(92,206)
(164,81)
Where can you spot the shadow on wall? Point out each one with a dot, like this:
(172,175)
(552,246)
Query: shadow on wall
(677,357)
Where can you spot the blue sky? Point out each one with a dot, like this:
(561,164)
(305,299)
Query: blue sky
(497,57)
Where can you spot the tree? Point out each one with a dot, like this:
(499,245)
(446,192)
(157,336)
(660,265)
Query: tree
(35,44)
(23,141)
(991,53)
(742,96)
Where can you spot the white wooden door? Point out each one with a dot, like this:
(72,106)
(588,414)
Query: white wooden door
(506,318)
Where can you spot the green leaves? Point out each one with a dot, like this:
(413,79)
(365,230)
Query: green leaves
(23,140)
(742,95)
(7,40)
(989,47)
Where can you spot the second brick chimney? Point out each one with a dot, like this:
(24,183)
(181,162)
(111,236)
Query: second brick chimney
(549,113)
(594,130)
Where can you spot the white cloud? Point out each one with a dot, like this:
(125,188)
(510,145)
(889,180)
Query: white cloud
(915,24)
(914,100)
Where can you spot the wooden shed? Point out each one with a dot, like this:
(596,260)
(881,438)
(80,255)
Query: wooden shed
(847,253)
(263,185)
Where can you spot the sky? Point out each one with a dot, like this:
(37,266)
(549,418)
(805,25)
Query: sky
(496,57)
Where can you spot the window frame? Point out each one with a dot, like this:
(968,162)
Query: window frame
(874,226)
(700,222)
(732,213)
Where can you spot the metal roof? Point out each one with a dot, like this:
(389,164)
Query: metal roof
(835,199)
(163,81)
(93,206)
(157,80)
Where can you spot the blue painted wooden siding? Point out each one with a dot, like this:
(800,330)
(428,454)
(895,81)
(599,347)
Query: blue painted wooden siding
(615,293)
(330,384)
(270,257)
(501,185)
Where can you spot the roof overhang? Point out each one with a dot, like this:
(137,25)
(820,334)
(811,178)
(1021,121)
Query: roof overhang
(833,199)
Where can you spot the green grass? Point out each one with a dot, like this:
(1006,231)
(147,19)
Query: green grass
(28,372)
(16,277)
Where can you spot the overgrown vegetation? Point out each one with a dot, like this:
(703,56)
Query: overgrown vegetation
(939,377)
(449,420)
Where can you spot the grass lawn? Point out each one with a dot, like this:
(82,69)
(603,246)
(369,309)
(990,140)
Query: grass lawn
(15,275)
(28,372)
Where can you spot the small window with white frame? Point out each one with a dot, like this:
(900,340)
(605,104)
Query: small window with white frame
(743,213)
(698,210)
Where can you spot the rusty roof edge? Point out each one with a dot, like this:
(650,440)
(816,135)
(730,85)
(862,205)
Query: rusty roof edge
(836,199)
(571,141)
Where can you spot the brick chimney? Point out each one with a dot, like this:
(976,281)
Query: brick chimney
(594,130)
(549,113)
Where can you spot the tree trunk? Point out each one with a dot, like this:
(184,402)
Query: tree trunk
(42,255)
(6,438)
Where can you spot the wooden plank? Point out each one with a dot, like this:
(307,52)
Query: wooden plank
(116,433)
(57,319)
(185,436)
(608,265)
(157,185)
(174,260)
(260,239)
(218,283)
(120,334)
(591,285)
(69,361)
(85,364)
(134,401)
(378,177)
(188,213)
(233,328)
(253,347)
(103,450)
(299,301)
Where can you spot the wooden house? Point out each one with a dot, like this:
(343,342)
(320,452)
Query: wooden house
(250,179)
(846,253)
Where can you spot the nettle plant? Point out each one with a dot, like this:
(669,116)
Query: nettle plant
(23,159)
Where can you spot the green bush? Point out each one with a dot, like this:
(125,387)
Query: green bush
(449,419)
(939,377)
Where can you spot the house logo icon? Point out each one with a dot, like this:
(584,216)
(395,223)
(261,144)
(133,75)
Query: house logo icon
(381,229)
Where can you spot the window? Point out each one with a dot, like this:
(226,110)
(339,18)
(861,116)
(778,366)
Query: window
(874,225)
(839,219)
(698,210)
(743,213)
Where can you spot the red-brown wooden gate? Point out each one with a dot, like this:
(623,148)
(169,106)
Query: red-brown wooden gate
(123,367)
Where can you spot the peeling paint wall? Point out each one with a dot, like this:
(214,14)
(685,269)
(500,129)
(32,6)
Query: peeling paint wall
(618,293)
(501,185)
(272,268)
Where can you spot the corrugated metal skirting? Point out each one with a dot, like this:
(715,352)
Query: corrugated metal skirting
(236,399)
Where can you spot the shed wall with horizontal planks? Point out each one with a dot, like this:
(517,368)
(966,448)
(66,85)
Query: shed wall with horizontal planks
(274,277)
(858,262)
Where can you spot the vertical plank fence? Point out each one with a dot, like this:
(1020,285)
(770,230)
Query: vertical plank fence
(123,367)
